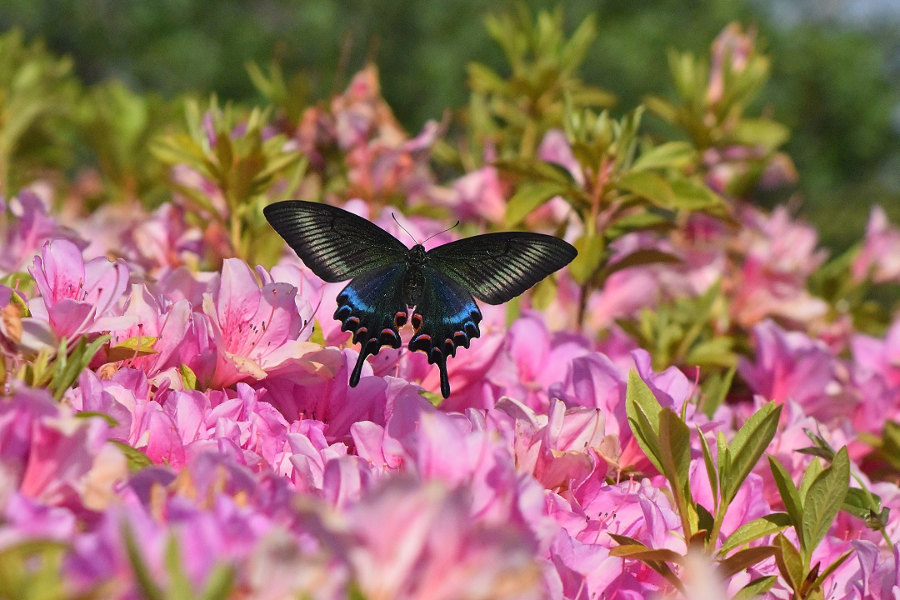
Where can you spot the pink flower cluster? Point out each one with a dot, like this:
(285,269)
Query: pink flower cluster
(263,460)
(215,425)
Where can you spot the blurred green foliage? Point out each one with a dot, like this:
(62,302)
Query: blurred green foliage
(831,81)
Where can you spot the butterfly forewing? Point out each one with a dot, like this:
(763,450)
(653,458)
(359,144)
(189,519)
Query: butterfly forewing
(336,244)
(497,267)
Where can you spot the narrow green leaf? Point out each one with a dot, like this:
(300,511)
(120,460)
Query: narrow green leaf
(91,414)
(675,453)
(826,573)
(643,410)
(789,562)
(179,584)
(755,588)
(650,186)
(219,584)
(77,362)
(813,470)
(744,559)
(723,457)
(823,500)
(710,465)
(590,256)
(761,132)
(748,446)
(188,378)
(790,497)
(645,256)
(691,195)
(132,348)
(755,529)
(137,460)
(716,388)
(665,156)
(143,577)
(644,554)
(528,197)
(861,503)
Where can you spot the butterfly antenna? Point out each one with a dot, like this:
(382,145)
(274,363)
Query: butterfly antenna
(394,217)
(440,232)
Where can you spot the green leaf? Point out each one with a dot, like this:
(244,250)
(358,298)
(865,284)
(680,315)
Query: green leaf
(861,503)
(643,411)
(755,529)
(92,414)
(650,186)
(755,588)
(132,348)
(179,584)
(664,156)
(675,453)
(710,465)
(691,195)
(823,500)
(71,367)
(744,559)
(143,577)
(761,132)
(639,221)
(748,446)
(715,389)
(645,256)
(188,377)
(137,460)
(538,172)
(789,562)
(591,254)
(528,197)
(790,497)
(219,584)
(433,399)
(645,554)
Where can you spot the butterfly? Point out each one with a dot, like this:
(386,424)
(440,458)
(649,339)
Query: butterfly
(388,280)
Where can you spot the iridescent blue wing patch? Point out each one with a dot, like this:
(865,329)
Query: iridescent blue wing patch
(445,318)
(373,309)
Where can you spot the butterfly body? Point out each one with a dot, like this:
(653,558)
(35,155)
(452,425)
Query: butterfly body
(389,281)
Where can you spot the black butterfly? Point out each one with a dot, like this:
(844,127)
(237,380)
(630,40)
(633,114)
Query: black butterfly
(388,278)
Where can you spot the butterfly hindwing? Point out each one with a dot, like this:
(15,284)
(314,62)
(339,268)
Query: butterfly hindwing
(373,309)
(335,244)
(497,267)
(445,318)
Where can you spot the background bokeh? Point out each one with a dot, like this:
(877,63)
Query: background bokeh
(835,79)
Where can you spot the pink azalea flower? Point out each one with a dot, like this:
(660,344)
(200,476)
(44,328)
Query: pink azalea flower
(479,196)
(257,328)
(420,541)
(25,224)
(791,366)
(51,453)
(879,257)
(540,359)
(733,46)
(77,297)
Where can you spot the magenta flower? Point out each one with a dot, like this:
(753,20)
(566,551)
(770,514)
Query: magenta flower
(77,297)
